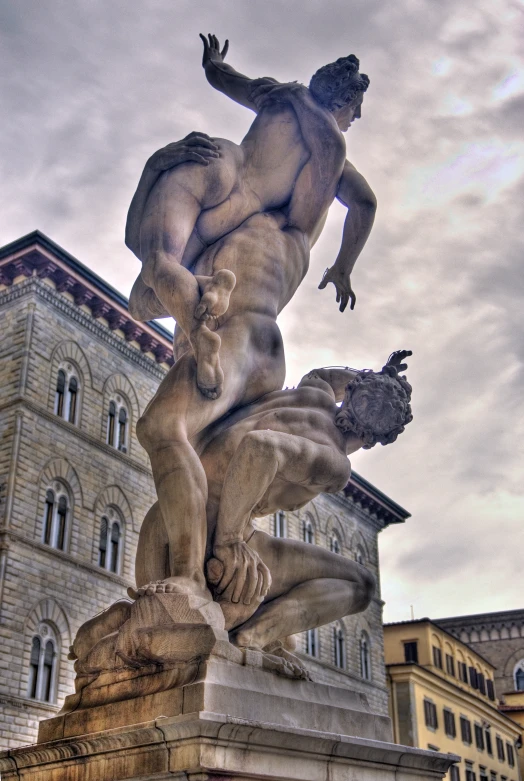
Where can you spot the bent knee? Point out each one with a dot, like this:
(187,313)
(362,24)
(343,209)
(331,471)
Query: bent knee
(155,429)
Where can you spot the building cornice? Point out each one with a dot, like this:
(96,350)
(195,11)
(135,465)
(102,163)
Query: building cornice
(35,255)
(9,536)
(374,503)
(437,626)
(34,286)
(20,403)
(420,674)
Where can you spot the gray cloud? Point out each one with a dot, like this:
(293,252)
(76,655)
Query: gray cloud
(90,90)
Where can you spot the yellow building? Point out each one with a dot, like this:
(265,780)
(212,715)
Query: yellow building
(512,703)
(442,698)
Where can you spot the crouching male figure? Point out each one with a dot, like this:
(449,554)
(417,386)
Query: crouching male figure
(279,453)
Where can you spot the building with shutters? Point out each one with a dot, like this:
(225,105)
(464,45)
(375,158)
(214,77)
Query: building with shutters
(75,376)
(443,698)
(499,637)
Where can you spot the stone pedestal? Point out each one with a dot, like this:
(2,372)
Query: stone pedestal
(236,721)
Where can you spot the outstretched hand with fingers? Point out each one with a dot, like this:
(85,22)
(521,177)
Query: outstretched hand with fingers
(212,51)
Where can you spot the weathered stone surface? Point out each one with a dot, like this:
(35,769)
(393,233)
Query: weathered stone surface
(207,745)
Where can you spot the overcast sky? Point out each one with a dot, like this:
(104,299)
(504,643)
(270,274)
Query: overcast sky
(90,89)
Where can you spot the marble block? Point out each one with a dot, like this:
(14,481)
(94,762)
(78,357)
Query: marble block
(242,691)
(206,746)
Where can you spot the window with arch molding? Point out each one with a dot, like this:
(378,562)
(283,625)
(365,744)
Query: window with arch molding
(110,541)
(519,676)
(365,657)
(117,426)
(67,393)
(43,665)
(334,543)
(360,556)
(339,646)
(280,524)
(308,532)
(56,520)
(312,643)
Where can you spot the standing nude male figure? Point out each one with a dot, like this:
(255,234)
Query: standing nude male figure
(181,207)
(268,253)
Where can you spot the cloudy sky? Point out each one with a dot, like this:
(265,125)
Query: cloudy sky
(88,90)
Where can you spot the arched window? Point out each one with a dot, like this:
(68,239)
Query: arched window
(312,645)
(60,393)
(365,657)
(42,665)
(122,430)
(280,524)
(309,534)
(67,394)
(519,676)
(72,398)
(360,557)
(117,427)
(339,647)
(109,543)
(111,415)
(56,517)
(334,544)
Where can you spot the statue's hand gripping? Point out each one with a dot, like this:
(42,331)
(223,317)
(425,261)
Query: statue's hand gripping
(194,148)
(244,574)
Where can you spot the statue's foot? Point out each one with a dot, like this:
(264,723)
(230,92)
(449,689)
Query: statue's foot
(144,304)
(299,669)
(215,296)
(210,376)
(172,586)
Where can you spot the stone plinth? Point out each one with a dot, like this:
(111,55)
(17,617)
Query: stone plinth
(202,746)
(244,691)
(234,721)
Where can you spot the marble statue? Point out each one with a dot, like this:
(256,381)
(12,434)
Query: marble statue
(224,233)
(277,453)
(224,247)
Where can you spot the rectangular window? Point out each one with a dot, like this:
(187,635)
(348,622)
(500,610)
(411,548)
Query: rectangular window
(437,657)
(465,730)
(473,678)
(430,714)
(450,665)
(312,647)
(489,744)
(470,775)
(500,749)
(411,652)
(454,773)
(510,755)
(483,774)
(491,689)
(479,737)
(481,681)
(463,672)
(449,723)
(492,776)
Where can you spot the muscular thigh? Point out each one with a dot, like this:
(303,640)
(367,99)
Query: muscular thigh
(292,562)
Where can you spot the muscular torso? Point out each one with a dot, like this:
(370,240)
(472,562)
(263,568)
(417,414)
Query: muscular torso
(304,412)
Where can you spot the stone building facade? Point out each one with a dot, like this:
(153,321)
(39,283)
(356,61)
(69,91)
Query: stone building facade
(76,374)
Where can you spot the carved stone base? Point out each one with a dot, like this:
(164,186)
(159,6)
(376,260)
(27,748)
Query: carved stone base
(240,687)
(208,746)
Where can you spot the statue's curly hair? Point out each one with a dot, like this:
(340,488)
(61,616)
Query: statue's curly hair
(339,83)
(393,395)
